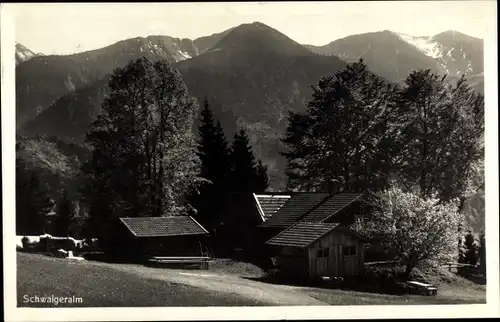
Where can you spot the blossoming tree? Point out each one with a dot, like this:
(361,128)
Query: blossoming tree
(418,230)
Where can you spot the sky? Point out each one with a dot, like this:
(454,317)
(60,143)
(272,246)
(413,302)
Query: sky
(59,28)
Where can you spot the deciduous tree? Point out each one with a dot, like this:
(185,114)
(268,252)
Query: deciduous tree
(419,230)
(143,151)
(440,136)
(343,136)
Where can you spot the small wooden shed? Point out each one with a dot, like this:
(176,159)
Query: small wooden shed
(144,237)
(312,250)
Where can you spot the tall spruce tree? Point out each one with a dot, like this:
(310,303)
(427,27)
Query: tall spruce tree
(64,215)
(143,151)
(213,151)
(244,168)
(482,252)
(471,249)
(247,176)
(261,178)
(33,202)
(343,137)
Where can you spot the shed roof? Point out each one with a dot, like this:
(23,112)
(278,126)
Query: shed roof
(302,234)
(163,226)
(310,207)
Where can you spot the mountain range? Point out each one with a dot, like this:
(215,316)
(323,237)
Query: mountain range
(252,74)
(393,55)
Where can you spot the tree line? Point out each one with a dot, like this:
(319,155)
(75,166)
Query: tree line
(417,146)
(146,161)
(362,132)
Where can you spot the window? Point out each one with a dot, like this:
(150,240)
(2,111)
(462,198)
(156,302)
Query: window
(319,253)
(349,250)
(326,252)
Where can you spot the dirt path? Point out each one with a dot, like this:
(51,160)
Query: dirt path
(227,283)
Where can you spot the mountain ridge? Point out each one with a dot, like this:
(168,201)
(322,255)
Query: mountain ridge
(247,88)
(252,74)
(392,54)
(22,53)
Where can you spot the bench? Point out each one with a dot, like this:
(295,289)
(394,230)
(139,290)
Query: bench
(427,289)
(202,261)
(453,267)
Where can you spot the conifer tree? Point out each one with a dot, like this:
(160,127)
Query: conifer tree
(244,169)
(64,215)
(261,178)
(32,201)
(482,252)
(471,250)
(213,152)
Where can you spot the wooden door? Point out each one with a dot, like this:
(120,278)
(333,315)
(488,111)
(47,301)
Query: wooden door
(322,261)
(348,260)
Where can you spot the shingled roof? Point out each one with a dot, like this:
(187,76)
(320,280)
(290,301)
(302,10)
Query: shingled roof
(299,204)
(268,205)
(331,206)
(163,226)
(310,207)
(302,234)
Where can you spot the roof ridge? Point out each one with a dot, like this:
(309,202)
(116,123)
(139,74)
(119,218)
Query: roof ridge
(191,217)
(315,207)
(315,223)
(360,194)
(169,216)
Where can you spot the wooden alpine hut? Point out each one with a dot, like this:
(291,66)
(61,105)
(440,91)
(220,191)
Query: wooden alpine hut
(314,250)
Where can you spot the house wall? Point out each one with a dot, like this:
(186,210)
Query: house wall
(125,245)
(292,261)
(170,246)
(338,262)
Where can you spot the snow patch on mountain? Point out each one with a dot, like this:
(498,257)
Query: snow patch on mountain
(452,60)
(424,44)
(181,55)
(23,54)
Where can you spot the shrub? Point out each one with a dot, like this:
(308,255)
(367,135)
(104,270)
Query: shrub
(418,230)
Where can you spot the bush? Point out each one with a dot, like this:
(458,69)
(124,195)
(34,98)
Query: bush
(418,230)
(387,280)
(25,241)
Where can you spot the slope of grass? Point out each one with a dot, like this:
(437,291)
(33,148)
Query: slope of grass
(452,289)
(103,286)
(343,297)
